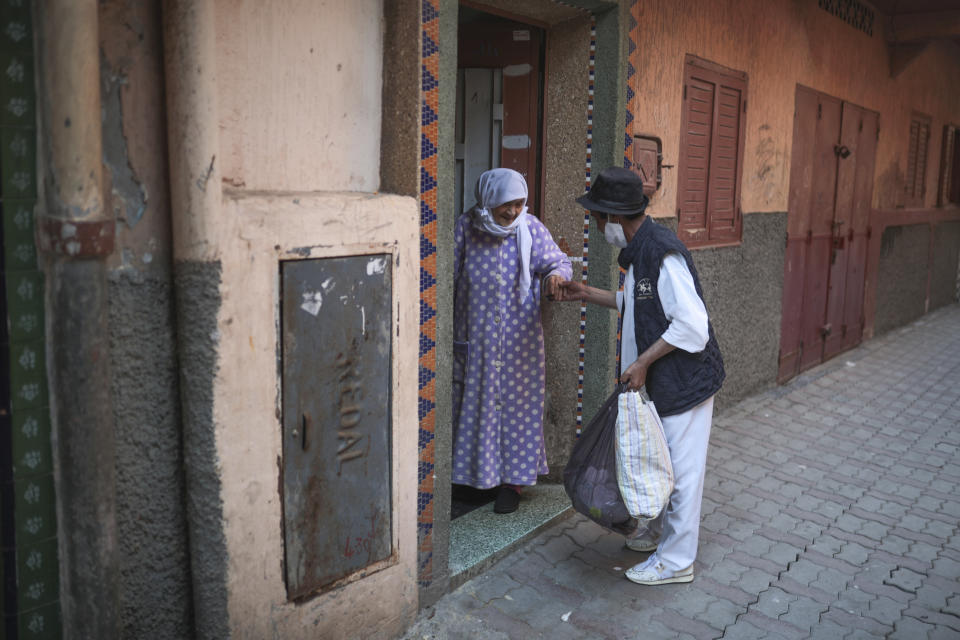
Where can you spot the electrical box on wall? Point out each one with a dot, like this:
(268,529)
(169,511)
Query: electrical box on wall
(336,362)
(648,162)
(316,392)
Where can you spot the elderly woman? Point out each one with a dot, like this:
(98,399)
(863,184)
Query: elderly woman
(501,255)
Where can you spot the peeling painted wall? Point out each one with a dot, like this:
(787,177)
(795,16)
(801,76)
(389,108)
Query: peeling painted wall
(298,144)
(155,589)
(300,94)
(282,74)
(780,44)
(135,132)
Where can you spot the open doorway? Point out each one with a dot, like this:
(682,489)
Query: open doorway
(499,119)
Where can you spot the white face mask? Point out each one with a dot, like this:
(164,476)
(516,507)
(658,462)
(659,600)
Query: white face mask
(613,233)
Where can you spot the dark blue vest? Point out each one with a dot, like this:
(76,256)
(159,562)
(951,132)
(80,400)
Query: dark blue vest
(680,380)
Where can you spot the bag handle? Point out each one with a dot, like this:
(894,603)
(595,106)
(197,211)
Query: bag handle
(622,388)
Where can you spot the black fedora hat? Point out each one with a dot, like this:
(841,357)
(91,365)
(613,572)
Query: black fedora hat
(616,191)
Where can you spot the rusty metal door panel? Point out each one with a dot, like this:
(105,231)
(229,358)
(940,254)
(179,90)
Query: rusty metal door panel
(647,162)
(798,222)
(846,152)
(336,346)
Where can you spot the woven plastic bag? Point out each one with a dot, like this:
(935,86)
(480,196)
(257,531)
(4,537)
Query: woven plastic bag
(590,477)
(644,471)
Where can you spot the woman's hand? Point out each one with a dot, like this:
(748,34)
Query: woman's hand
(552,287)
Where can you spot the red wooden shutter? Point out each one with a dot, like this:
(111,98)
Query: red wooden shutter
(724,166)
(922,143)
(696,152)
(946,166)
(915,182)
(711,152)
(910,182)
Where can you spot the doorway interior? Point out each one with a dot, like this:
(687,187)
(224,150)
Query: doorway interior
(831,191)
(500,89)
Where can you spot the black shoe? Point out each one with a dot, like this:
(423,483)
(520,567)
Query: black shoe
(507,501)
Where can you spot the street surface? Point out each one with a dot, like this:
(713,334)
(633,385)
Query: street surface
(831,510)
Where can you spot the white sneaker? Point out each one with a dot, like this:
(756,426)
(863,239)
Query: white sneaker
(653,573)
(643,542)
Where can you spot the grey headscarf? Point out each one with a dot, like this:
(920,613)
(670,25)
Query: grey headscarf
(494,188)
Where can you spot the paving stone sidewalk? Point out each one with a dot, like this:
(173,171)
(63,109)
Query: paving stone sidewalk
(831,510)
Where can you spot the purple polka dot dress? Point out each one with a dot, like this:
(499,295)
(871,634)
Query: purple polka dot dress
(498,370)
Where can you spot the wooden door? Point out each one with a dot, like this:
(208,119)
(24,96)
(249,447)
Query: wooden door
(819,230)
(846,156)
(859,231)
(795,256)
(831,186)
(498,105)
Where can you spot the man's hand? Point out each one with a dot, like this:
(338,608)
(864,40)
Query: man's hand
(571,290)
(575,291)
(635,375)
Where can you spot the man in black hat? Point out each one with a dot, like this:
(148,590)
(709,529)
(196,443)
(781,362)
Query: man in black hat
(668,345)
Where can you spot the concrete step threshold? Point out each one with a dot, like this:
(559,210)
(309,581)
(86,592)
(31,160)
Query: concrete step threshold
(481,538)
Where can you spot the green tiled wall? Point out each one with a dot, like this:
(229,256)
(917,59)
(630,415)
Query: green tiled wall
(29,568)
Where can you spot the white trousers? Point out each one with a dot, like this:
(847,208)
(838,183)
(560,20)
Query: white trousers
(678,526)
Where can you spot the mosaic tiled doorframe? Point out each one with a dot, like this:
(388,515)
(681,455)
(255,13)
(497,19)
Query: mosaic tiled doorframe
(429,142)
(427,393)
(582,342)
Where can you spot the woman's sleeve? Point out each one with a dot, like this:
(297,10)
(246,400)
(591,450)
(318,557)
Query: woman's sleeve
(549,259)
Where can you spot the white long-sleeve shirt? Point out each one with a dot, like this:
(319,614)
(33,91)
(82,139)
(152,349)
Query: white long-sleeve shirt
(681,305)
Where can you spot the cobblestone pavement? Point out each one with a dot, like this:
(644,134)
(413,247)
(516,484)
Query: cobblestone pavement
(831,510)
